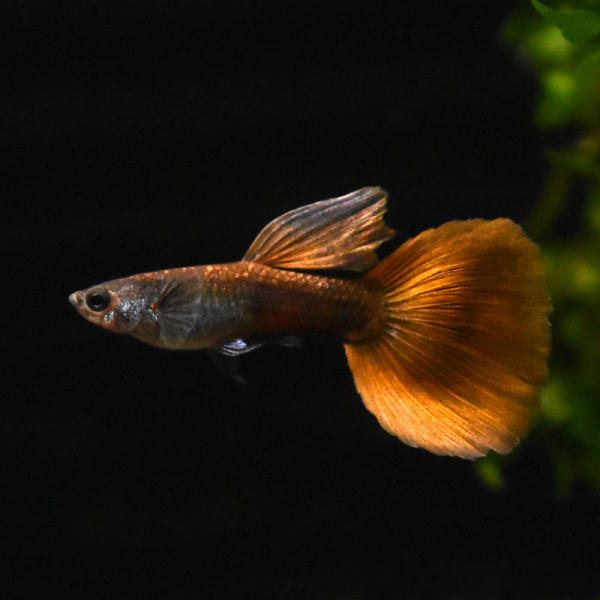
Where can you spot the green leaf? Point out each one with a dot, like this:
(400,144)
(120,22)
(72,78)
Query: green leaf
(490,471)
(575,25)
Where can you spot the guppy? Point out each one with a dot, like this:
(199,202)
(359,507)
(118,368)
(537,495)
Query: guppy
(447,338)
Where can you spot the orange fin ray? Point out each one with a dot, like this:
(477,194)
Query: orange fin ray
(459,364)
(342,233)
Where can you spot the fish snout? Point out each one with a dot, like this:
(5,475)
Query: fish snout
(76,299)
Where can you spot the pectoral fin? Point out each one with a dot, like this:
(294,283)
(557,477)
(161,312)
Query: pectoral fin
(176,308)
(342,233)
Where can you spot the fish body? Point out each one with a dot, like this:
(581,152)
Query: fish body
(447,338)
(209,306)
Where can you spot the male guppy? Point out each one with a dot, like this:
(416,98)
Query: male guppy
(447,338)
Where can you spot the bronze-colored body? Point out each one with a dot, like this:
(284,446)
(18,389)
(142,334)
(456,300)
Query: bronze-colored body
(212,305)
(243,299)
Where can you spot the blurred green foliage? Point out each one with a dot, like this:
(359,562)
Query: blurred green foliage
(560,41)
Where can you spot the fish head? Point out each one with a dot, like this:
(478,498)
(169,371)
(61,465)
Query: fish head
(120,305)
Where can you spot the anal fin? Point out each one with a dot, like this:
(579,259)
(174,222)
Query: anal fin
(237,347)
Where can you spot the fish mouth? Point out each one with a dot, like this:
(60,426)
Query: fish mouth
(75,299)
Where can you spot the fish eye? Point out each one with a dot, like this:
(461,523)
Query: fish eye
(97,300)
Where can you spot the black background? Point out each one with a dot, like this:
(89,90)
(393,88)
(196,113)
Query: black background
(141,136)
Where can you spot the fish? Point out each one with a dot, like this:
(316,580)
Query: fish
(447,338)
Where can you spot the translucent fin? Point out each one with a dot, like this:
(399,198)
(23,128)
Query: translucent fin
(229,365)
(459,363)
(237,347)
(341,233)
(225,357)
(176,307)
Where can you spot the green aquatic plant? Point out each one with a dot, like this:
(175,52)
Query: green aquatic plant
(561,44)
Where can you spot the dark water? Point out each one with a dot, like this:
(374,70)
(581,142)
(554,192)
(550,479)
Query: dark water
(142,136)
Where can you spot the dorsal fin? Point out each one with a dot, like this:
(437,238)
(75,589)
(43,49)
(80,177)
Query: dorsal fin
(341,233)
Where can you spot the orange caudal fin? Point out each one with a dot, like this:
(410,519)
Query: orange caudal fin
(458,365)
